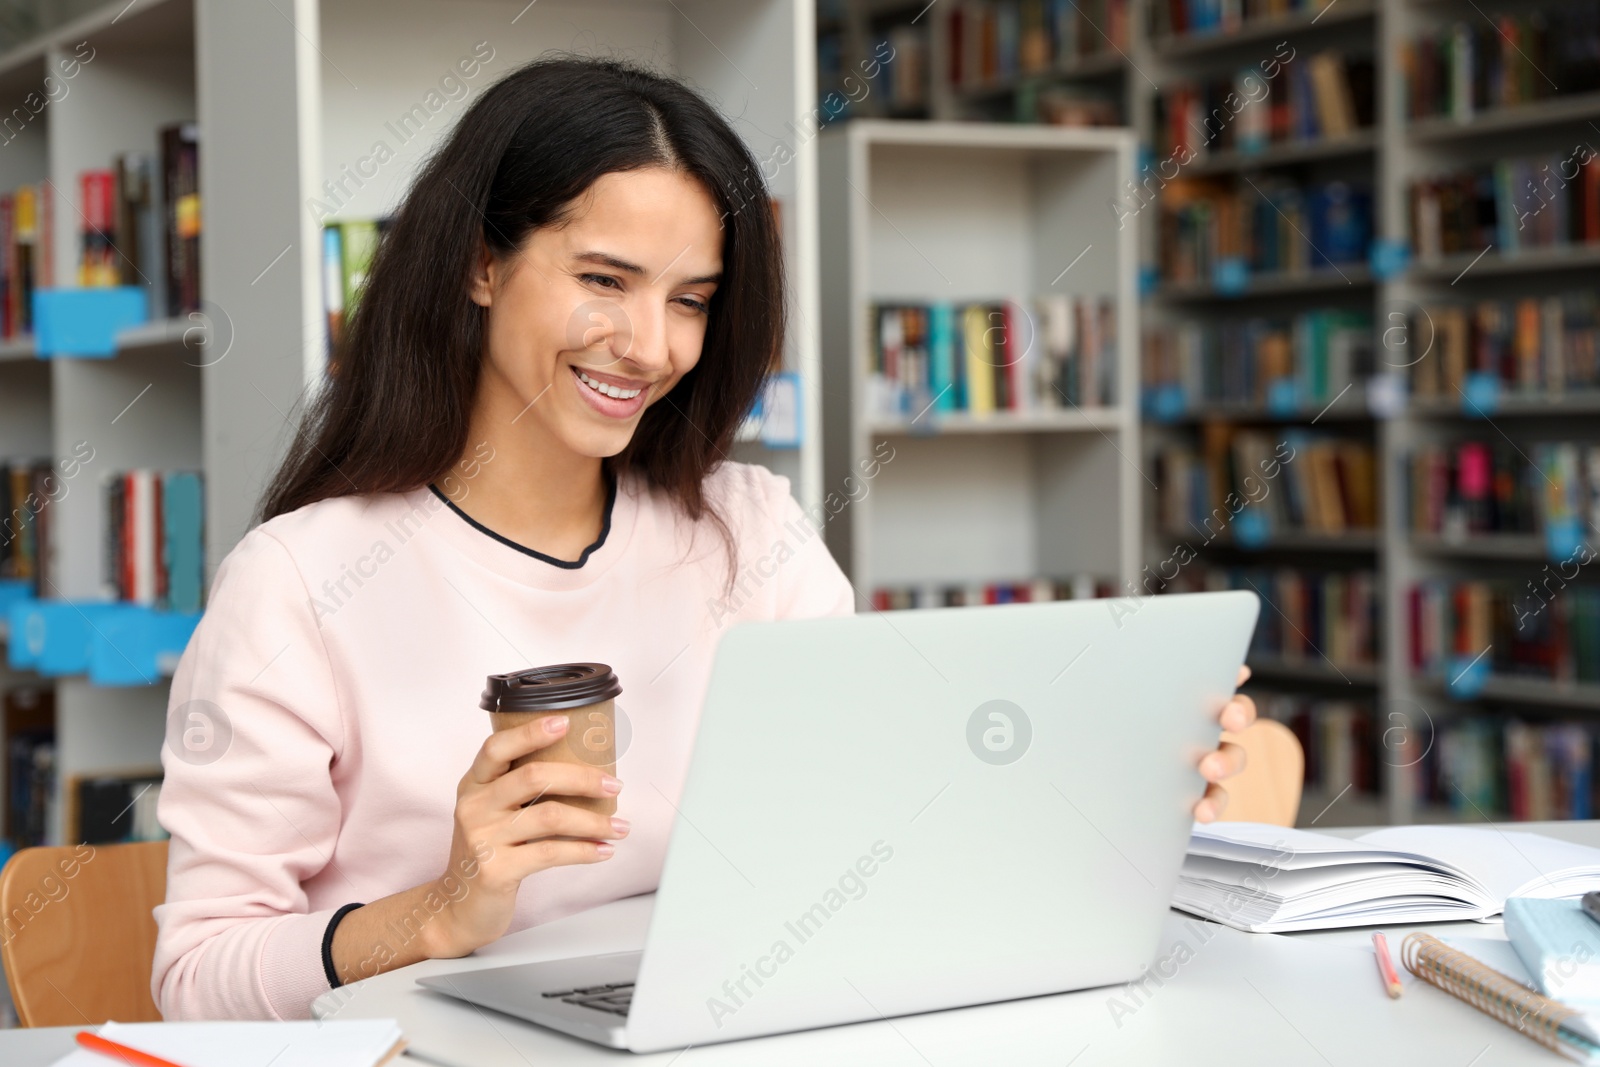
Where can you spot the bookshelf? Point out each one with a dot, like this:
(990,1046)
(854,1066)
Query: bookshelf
(957,212)
(288,97)
(1389,286)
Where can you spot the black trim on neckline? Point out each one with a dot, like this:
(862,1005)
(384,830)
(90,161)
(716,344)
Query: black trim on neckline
(571,565)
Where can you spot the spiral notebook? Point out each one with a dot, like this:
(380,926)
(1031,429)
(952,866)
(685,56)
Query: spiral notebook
(1554,1025)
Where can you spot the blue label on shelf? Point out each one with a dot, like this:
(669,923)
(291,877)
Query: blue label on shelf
(1149,279)
(1389,258)
(1481,396)
(1563,538)
(138,645)
(1282,397)
(1386,394)
(85,322)
(1164,403)
(1250,528)
(1230,275)
(1466,675)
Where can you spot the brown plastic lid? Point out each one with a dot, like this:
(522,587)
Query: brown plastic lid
(564,685)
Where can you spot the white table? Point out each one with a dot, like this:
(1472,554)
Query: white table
(1237,999)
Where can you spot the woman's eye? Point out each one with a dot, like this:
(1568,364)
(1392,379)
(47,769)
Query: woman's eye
(602,279)
(697,305)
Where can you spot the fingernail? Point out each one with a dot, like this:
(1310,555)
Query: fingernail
(555,724)
(620,826)
(609,784)
(605,848)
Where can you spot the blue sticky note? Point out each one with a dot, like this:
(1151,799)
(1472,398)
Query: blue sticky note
(1481,395)
(1230,275)
(1466,676)
(1282,397)
(1563,537)
(85,322)
(1388,258)
(1251,529)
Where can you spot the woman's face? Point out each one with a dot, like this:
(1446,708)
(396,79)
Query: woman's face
(595,320)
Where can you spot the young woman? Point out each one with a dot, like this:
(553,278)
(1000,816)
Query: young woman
(519,459)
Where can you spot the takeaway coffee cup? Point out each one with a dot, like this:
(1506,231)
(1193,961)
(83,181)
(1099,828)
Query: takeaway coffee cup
(585,694)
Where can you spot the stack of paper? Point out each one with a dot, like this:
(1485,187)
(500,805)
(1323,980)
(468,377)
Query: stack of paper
(332,1043)
(1264,878)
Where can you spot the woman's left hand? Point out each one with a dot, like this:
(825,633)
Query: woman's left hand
(1228,759)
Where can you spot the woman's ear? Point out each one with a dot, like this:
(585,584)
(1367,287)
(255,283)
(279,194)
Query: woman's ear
(483,279)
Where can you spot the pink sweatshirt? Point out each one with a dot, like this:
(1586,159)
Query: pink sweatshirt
(327,707)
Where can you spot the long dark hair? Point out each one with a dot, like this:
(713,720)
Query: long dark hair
(394,416)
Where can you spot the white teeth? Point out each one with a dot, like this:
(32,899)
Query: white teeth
(615,392)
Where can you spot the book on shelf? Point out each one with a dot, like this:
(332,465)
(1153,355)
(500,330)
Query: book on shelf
(1324,96)
(1337,737)
(27,234)
(1071,105)
(154,538)
(1465,68)
(1054,352)
(1293,481)
(119,230)
(1178,18)
(1529,345)
(1495,487)
(1497,765)
(180,176)
(1273,879)
(1281,364)
(1217,231)
(967,594)
(1510,205)
(905,84)
(347,250)
(1470,488)
(1315,618)
(995,41)
(29,730)
(1544,628)
(114,807)
(27,489)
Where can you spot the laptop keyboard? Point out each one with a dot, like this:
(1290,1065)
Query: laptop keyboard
(614,998)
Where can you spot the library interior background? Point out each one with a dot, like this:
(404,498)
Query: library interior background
(1089,298)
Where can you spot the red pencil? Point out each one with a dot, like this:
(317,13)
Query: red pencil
(96,1043)
(1391,979)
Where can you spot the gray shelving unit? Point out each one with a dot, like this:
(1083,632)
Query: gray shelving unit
(1390,155)
(921,212)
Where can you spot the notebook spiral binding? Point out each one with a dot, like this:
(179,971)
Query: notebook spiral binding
(1486,989)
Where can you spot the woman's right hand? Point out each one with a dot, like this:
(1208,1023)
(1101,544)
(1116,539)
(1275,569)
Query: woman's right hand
(497,841)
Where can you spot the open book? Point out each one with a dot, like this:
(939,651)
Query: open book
(1270,879)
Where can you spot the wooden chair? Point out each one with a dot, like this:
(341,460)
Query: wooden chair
(1268,789)
(77,937)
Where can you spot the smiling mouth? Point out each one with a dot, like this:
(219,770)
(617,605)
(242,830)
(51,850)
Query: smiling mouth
(613,391)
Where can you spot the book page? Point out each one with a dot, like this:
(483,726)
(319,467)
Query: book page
(1508,863)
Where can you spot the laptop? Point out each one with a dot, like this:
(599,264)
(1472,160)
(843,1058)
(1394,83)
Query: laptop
(909,811)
